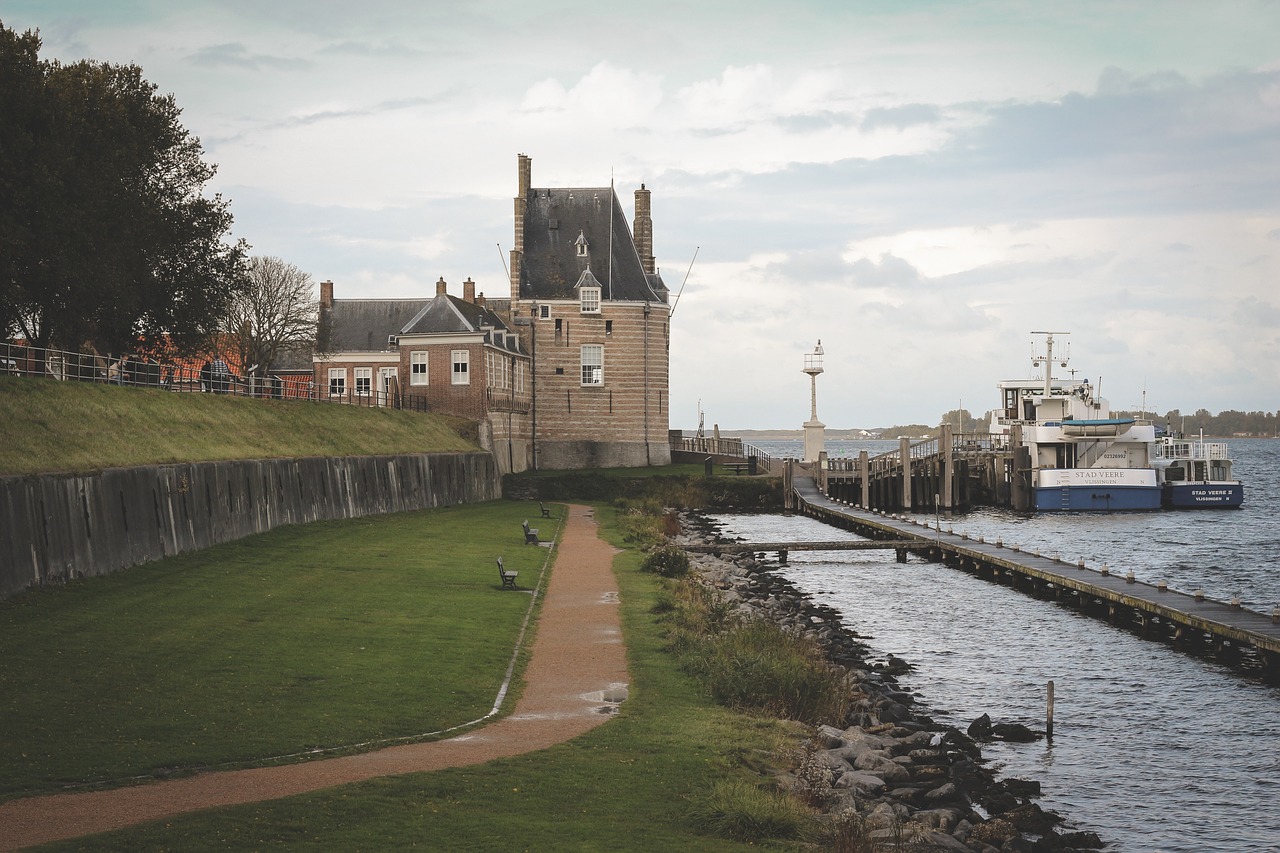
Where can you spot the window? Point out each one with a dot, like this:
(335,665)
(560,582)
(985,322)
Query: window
(590,297)
(545,311)
(461,367)
(608,328)
(592,364)
(364,381)
(337,382)
(418,368)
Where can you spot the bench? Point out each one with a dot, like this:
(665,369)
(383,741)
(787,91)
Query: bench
(530,533)
(508,578)
(546,513)
(739,467)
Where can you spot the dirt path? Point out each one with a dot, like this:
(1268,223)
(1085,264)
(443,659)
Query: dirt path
(577,660)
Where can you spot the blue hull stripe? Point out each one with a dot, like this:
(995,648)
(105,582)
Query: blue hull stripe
(1097,499)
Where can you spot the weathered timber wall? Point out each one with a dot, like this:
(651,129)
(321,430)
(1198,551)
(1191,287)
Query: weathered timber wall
(57,527)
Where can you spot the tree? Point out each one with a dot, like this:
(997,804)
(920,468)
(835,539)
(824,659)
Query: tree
(273,312)
(108,237)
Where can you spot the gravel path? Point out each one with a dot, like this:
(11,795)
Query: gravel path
(577,670)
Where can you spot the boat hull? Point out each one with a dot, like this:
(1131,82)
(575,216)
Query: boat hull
(1097,498)
(1202,495)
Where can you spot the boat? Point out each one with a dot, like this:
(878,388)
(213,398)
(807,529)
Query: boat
(1071,455)
(1196,474)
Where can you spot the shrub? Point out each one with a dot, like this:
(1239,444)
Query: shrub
(668,561)
(743,811)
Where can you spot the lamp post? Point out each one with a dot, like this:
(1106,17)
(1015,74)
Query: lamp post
(814,429)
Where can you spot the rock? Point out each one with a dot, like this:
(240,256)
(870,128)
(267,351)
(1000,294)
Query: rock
(995,832)
(942,841)
(1081,840)
(1024,788)
(980,729)
(860,781)
(944,793)
(1032,818)
(1014,733)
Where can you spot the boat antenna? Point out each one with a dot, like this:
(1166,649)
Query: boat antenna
(672,312)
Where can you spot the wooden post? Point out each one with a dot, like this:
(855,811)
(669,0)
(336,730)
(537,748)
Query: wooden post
(1048,726)
(904,449)
(864,471)
(948,469)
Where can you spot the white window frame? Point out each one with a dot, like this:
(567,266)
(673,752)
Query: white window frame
(419,364)
(592,360)
(589,300)
(337,382)
(460,370)
(363,383)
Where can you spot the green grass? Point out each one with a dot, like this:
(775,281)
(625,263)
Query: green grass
(53,426)
(641,782)
(307,637)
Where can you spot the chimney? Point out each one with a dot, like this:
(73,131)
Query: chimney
(326,294)
(468,290)
(480,300)
(642,230)
(441,287)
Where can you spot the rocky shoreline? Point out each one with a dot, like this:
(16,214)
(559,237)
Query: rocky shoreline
(891,775)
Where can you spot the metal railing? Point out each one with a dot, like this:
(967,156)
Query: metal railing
(185,377)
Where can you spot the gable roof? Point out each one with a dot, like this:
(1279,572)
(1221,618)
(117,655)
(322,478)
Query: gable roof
(551,266)
(447,314)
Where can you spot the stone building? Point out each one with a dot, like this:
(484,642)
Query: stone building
(593,313)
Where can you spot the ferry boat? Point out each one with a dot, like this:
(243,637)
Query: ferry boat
(1196,474)
(1070,453)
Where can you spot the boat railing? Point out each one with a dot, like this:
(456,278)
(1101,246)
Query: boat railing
(1175,450)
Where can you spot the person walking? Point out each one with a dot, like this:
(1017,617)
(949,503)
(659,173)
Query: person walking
(221,374)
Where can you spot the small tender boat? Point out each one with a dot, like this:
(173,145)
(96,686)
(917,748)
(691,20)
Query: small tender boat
(1196,474)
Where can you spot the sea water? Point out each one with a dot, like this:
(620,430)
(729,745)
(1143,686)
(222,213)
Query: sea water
(1153,749)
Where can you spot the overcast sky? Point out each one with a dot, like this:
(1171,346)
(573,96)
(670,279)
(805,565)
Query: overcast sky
(920,185)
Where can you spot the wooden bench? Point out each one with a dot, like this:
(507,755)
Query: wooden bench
(508,578)
(530,533)
(546,513)
(739,467)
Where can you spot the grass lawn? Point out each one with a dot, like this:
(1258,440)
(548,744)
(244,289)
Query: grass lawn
(627,785)
(308,637)
(51,426)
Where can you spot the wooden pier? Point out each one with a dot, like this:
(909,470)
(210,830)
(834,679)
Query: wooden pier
(901,546)
(1152,610)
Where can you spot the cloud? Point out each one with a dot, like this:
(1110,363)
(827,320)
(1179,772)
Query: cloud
(238,56)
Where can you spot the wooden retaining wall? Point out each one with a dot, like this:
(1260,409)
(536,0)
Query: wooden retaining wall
(57,527)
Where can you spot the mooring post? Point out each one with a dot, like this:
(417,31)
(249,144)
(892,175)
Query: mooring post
(1048,726)
(782,557)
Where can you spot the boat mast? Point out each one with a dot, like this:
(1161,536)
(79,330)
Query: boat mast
(1048,359)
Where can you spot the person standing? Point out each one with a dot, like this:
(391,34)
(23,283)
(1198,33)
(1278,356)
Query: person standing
(221,374)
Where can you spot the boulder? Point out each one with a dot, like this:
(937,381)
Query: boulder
(1014,733)
(980,729)
(860,781)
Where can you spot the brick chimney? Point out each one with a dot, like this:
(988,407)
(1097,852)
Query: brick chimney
(441,287)
(480,300)
(642,230)
(326,294)
(524,168)
(468,290)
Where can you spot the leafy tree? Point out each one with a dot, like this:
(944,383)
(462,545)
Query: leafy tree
(272,313)
(107,233)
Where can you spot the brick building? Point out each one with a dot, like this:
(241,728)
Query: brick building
(593,313)
(455,355)
(570,372)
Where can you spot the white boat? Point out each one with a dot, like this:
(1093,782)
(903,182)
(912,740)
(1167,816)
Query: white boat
(1196,474)
(1078,458)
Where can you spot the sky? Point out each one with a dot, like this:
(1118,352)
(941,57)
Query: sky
(917,185)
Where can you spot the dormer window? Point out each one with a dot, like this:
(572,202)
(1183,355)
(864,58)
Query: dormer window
(590,299)
(581,244)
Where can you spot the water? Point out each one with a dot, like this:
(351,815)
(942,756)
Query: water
(1153,749)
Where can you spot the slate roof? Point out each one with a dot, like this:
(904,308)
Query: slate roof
(363,325)
(554,218)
